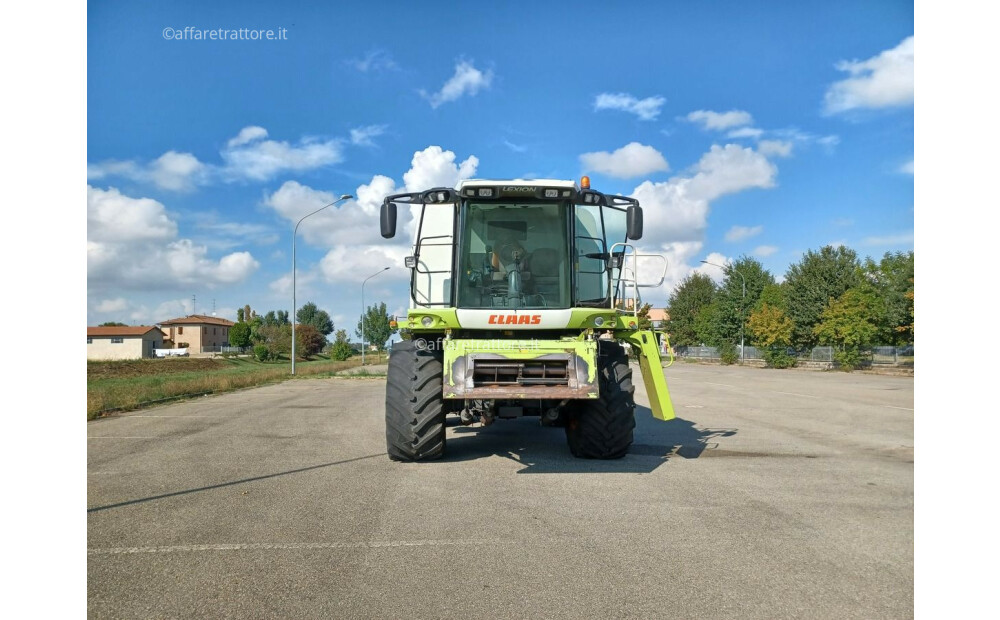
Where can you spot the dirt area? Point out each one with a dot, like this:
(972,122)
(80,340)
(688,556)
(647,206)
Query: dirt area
(121,369)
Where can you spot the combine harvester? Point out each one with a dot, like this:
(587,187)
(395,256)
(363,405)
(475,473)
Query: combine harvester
(520,295)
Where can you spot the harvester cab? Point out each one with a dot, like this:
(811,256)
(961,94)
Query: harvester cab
(521,293)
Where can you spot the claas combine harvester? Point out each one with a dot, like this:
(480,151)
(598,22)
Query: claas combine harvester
(521,295)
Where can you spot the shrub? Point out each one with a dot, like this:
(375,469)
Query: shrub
(848,358)
(728,354)
(778,357)
(341,351)
(261,352)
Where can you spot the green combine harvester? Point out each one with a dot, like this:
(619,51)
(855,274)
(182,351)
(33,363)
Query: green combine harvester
(521,293)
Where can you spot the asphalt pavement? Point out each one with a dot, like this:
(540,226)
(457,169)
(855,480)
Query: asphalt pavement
(775,494)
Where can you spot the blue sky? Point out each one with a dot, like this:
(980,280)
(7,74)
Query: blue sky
(743,130)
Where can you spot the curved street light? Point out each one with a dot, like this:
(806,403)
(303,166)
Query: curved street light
(294,233)
(742,304)
(363,310)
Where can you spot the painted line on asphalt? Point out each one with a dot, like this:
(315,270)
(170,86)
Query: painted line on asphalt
(796,394)
(176,416)
(120,437)
(291,546)
(903,408)
(722,384)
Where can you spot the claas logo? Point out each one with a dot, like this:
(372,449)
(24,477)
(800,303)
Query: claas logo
(515,319)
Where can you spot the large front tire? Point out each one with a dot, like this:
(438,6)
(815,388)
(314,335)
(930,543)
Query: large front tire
(601,428)
(414,406)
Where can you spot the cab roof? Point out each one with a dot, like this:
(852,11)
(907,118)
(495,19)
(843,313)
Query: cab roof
(521,182)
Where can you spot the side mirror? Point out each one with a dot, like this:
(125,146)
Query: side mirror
(634,217)
(388,220)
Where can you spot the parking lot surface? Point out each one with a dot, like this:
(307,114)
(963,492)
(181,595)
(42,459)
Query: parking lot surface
(775,494)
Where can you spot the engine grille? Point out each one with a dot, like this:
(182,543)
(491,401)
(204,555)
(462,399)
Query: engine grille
(520,372)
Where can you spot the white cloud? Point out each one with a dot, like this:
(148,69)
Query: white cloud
(354,264)
(646,109)
(829,141)
(629,161)
(885,80)
(907,168)
(131,243)
(720,121)
(259,159)
(362,136)
(517,148)
(177,171)
(375,60)
(173,171)
(248,155)
(112,305)
(113,217)
(247,135)
(739,233)
(745,132)
(778,148)
(764,250)
(729,169)
(435,167)
(467,80)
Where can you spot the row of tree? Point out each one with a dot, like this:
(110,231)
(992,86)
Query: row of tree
(830,297)
(271,334)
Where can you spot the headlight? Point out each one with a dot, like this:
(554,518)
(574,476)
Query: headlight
(427,321)
(599,321)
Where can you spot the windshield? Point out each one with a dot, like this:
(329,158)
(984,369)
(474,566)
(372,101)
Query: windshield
(515,255)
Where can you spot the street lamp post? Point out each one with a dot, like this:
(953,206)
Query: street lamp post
(743,303)
(363,310)
(294,233)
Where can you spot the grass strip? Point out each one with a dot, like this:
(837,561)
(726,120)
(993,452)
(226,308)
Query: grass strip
(126,390)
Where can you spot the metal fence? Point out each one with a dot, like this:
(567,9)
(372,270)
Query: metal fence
(876,356)
(225,349)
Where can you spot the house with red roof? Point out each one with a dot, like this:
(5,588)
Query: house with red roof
(199,333)
(123,343)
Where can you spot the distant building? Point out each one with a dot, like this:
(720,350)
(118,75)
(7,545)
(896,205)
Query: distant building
(659,317)
(198,332)
(123,343)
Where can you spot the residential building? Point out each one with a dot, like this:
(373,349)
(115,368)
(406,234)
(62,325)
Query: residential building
(198,332)
(123,343)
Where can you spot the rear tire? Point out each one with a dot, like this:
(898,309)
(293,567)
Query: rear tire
(414,405)
(601,428)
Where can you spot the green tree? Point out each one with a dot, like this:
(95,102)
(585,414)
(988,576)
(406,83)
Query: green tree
(277,339)
(772,331)
(283,317)
(270,318)
(706,325)
(239,335)
(341,349)
(891,280)
(377,329)
(694,293)
(849,323)
(240,315)
(811,283)
(309,314)
(113,324)
(734,309)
